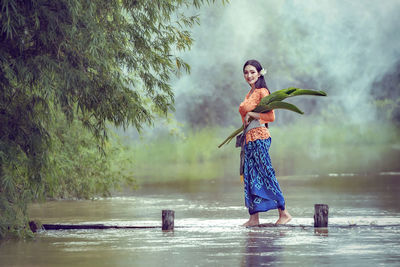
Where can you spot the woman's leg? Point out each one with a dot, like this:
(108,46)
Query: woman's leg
(284,217)
(254,220)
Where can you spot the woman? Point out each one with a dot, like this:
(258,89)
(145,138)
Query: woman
(261,189)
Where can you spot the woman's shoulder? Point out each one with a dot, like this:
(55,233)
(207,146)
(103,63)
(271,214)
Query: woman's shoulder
(263,91)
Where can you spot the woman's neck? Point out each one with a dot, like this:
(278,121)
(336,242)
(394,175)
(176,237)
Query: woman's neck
(252,88)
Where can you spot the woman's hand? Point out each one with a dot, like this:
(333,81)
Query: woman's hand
(247,119)
(249,116)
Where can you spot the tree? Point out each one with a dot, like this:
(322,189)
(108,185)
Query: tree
(97,62)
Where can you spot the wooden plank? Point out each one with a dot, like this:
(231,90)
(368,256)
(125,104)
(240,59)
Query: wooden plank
(263,225)
(91,226)
(34,226)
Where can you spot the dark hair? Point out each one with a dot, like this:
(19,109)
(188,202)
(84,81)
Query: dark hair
(260,83)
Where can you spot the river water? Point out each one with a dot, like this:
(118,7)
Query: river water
(364,226)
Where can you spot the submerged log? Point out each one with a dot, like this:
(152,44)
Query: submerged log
(90,226)
(167,224)
(321,215)
(34,226)
(168,217)
(266,225)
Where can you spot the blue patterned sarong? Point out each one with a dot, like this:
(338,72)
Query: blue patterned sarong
(261,189)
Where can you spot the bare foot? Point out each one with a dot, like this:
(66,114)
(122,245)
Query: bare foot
(250,223)
(284,218)
(253,221)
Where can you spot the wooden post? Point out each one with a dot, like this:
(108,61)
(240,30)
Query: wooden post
(168,220)
(34,226)
(321,215)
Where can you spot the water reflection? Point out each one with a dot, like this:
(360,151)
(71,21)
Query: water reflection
(261,248)
(321,231)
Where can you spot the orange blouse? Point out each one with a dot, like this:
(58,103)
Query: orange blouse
(248,104)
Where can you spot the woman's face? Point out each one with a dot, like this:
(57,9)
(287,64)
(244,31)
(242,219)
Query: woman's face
(251,74)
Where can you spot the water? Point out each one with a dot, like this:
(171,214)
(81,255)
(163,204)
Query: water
(364,227)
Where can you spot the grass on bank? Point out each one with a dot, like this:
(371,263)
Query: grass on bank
(301,148)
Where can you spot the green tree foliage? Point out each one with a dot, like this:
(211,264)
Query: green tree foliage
(386,95)
(96,62)
(78,170)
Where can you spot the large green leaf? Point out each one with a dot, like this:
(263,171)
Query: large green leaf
(285,93)
(274,101)
(281,105)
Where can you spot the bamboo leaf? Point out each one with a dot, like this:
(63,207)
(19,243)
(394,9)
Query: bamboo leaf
(274,101)
(91,63)
(233,135)
(281,105)
(285,93)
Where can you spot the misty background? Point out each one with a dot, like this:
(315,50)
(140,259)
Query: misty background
(349,49)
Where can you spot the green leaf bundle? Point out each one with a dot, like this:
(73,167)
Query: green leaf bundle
(274,101)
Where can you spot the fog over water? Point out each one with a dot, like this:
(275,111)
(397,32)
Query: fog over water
(349,49)
(341,47)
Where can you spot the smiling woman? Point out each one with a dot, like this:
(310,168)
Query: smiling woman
(261,189)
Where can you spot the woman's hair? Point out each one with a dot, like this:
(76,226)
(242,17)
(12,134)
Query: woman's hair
(260,83)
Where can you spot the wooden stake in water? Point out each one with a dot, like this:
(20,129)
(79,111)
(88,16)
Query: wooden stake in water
(321,215)
(168,217)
